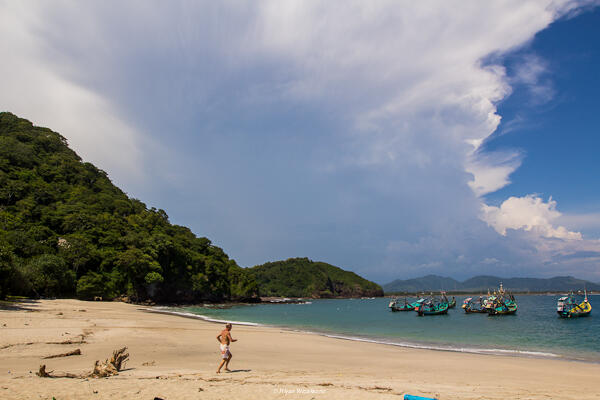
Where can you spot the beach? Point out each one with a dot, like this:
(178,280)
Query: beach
(172,357)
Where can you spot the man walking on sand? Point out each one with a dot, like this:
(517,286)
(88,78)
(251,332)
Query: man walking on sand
(225,339)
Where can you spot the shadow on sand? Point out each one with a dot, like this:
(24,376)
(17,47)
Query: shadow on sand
(17,305)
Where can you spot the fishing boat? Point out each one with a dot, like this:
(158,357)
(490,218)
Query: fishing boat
(418,303)
(474,306)
(452,302)
(419,300)
(502,303)
(489,300)
(567,307)
(397,305)
(432,307)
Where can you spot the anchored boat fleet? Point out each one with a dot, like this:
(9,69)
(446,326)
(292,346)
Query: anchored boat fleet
(499,302)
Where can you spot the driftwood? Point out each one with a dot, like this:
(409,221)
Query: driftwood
(119,358)
(43,374)
(76,352)
(112,366)
(81,340)
(17,344)
(101,369)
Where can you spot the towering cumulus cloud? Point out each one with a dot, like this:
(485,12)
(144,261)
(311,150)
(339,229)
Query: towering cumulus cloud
(348,132)
(529,213)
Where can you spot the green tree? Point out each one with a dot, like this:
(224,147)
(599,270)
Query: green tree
(91,285)
(50,276)
(6,269)
(106,285)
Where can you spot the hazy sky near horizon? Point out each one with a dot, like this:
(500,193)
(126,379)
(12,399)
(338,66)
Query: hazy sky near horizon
(392,138)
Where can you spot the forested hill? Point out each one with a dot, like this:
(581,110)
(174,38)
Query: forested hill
(66,230)
(301,277)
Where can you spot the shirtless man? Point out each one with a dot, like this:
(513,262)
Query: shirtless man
(225,339)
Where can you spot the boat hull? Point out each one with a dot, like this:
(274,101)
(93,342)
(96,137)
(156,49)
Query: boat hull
(572,315)
(422,313)
(502,310)
(403,308)
(471,311)
(436,310)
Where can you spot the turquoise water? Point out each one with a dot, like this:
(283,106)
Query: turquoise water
(535,330)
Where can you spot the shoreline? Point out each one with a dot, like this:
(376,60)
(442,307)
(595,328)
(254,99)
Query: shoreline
(176,358)
(404,343)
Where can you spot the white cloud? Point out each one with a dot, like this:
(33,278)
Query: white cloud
(529,213)
(491,171)
(530,72)
(490,260)
(32,89)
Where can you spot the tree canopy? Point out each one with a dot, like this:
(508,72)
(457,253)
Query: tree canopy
(66,230)
(301,277)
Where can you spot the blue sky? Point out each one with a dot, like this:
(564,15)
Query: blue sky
(394,139)
(558,133)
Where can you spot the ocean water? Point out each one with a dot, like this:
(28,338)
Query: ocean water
(535,331)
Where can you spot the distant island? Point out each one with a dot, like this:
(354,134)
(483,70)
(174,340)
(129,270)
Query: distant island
(483,283)
(301,277)
(67,231)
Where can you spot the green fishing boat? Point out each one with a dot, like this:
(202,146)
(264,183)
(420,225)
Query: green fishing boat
(502,303)
(397,305)
(416,303)
(452,303)
(567,307)
(432,306)
(472,306)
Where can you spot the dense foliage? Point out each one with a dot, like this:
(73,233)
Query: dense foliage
(301,277)
(66,230)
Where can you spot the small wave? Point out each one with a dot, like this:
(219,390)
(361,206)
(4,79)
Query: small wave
(160,310)
(449,348)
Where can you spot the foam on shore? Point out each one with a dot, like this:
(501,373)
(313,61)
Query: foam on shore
(161,310)
(472,350)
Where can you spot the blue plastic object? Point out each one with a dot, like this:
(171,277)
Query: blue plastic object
(411,397)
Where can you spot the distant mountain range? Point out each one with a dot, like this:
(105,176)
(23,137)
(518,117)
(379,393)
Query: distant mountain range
(482,283)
